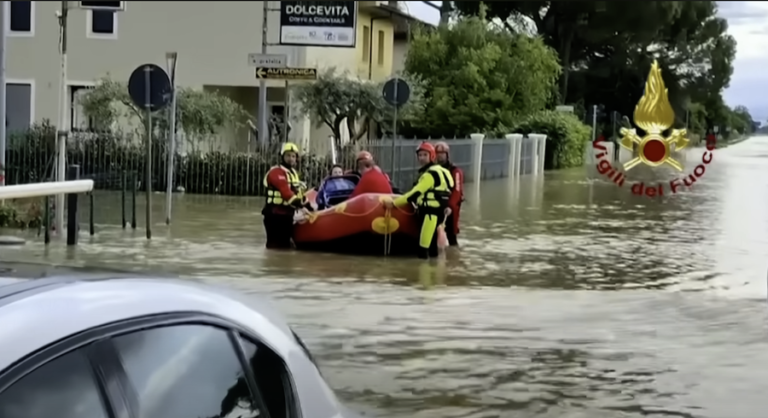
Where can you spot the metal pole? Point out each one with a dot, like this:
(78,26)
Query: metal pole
(134,186)
(171,141)
(148,172)
(61,146)
(73,221)
(286,106)
(91,221)
(124,180)
(3,92)
(333,149)
(394,131)
(594,122)
(47,220)
(616,129)
(263,129)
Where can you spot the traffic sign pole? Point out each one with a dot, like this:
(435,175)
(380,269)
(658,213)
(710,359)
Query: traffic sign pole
(396,92)
(394,133)
(4,10)
(263,134)
(148,163)
(150,89)
(286,106)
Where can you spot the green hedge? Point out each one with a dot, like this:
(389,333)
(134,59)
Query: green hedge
(21,214)
(104,158)
(567,137)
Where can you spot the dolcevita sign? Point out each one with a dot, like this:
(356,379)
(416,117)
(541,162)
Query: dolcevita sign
(318,23)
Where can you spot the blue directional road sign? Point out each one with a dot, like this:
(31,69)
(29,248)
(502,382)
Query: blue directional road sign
(150,87)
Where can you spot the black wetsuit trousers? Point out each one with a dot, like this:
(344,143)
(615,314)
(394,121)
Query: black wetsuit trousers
(279,228)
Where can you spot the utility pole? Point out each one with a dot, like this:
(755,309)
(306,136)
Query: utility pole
(446,8)
(263,129)
(61,136)
(171,60)
(4,12)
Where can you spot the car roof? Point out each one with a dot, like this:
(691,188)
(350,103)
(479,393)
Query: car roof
(36,313)
(4,281)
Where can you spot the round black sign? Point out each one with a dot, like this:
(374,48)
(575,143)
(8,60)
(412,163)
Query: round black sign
(396,92)
(158,95)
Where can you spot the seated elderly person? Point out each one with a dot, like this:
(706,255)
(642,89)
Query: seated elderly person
(335,189)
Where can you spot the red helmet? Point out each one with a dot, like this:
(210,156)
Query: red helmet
(364,156)
(429,148)
(442,147)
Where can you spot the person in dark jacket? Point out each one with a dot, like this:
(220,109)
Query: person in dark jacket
(457,194)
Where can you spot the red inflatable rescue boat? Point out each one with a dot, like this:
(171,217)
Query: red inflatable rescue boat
(359,225)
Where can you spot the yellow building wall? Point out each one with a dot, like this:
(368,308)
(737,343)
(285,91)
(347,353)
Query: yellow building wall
(375,39)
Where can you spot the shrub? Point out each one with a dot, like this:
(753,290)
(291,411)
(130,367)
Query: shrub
(567,137)
(106,157)
(21,214)
(479,77)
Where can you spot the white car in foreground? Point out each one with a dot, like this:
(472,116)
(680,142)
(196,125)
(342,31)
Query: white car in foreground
(107,347)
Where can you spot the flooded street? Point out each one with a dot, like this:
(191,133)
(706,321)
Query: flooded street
(569,297)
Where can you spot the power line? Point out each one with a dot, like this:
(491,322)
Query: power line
(432,5)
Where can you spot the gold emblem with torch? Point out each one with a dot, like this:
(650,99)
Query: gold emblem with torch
(654,115)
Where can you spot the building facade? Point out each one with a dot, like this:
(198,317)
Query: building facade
(212,40)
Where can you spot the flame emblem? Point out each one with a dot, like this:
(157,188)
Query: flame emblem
(654,115)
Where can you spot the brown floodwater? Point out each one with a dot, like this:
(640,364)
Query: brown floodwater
(569,296)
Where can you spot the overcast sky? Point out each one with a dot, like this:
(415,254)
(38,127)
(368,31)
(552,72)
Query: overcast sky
(748,21)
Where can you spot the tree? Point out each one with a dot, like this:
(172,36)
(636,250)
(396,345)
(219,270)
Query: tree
(579,30)
(198,112)
(335,100)
(696,115)
(705,58)
(478,78)
(606,47)
(741,121)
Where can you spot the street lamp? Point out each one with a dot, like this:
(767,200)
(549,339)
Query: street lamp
(170,60)
(64,100)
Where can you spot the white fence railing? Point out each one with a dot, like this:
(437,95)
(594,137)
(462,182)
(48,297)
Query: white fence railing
(45,189)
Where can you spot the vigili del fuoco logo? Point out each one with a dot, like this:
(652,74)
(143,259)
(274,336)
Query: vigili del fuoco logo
(654,116)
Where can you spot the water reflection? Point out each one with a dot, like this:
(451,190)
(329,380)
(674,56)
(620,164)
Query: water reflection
(569,296)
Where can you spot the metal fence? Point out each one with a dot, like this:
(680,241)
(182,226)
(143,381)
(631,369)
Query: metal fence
(108,158)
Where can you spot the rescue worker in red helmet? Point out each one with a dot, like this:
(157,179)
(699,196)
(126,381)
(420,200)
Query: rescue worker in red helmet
(360,161)
(430,195)
(285,194)
(457,195)
(372,179)
(363,160)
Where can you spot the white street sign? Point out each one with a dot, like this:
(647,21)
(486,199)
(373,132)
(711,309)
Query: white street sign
(268,60)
